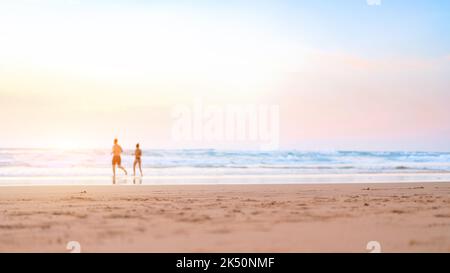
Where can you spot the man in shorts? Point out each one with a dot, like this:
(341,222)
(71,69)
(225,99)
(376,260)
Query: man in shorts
(116,152)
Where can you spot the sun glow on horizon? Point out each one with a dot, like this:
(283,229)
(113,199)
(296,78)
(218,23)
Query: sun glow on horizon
(67,145)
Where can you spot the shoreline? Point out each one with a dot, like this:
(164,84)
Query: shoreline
(374,183)
(230,179)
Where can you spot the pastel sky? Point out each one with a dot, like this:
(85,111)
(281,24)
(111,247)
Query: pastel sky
(346,75)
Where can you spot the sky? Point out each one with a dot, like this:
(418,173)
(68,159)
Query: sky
(345,75)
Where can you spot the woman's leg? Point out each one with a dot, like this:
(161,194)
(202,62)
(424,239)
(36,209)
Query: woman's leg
(140,167)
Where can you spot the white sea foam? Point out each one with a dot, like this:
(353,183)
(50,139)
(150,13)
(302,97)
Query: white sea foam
(215,166)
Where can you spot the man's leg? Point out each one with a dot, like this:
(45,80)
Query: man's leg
(114,169)
(123,169)
(140,168)
(134,168)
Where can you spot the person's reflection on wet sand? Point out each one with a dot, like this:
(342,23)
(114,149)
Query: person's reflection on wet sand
(137,181)
(121,181)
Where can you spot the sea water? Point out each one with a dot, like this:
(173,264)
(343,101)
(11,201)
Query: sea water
(209,166)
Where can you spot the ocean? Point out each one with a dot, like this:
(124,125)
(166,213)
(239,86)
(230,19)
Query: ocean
(209,166)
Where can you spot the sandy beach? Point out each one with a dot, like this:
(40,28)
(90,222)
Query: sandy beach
(221,218)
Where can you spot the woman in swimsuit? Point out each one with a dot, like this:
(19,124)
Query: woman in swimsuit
(137,159)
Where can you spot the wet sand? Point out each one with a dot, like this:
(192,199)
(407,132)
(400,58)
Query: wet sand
(226,218)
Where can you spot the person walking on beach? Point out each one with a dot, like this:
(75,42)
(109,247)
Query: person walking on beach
(116,152)
(137,159)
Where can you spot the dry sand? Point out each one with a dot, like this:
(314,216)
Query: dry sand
(221,218)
